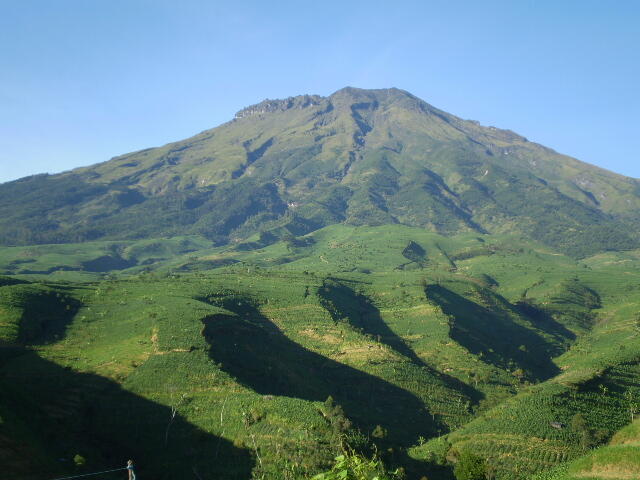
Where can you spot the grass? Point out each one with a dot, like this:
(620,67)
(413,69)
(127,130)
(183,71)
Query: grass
(246,354)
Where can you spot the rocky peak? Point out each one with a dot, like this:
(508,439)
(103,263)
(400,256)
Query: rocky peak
(269,106)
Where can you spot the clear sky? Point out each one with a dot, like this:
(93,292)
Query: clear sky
(84,80)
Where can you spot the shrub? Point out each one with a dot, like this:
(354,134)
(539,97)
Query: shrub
(350,466)
(469,467)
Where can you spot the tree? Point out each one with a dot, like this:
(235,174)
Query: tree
(578,423)
(469,467)
(581,429)
(335,415)
(633,406)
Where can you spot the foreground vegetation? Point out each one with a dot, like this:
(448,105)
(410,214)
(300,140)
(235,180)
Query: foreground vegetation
(433,355)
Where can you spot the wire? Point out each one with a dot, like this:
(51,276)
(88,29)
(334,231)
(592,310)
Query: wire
(89,474)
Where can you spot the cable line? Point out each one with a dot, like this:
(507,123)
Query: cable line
(90,474)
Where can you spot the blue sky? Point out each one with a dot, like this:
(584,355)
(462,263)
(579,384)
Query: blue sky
(84,80)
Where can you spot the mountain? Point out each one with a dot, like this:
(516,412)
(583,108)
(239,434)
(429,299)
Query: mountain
(361,275)
(358,157)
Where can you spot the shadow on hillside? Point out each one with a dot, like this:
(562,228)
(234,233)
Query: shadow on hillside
(416,469)
(544,321)
(54,320)
(44,312)
(78,413)
(343,303)
(252,349)
(495,335)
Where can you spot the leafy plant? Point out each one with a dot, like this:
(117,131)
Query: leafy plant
(351,466)
(469,467)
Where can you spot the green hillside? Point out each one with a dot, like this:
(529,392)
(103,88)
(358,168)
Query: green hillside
(587,400)
(391,339)
(616,461)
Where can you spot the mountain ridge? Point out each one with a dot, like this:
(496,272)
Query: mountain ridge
(362,157)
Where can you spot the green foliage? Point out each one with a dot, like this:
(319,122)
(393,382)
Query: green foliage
(350,466)
(277,365)
(581,429)
(469,467)
(619,459)
(336,416)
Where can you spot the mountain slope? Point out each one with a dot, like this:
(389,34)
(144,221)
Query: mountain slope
(362,157)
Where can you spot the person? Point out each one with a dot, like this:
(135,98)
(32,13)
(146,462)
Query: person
(132,473)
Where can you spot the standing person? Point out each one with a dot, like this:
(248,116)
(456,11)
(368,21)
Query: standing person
(132,473)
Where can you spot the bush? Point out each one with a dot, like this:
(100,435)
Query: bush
(470,467)
(350,466)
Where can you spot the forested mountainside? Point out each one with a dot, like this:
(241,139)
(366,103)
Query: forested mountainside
(360,157)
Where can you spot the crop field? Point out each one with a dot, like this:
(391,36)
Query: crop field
(617,459)
(263,360)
